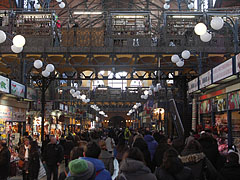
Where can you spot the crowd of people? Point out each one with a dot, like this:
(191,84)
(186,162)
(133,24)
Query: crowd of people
(124,154)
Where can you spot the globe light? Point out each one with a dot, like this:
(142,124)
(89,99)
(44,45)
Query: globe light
(175,58)
(38,64)
(146,92)
(78,93)
(59,1)
(74,94)
(142,96)
(19,41)
(37,6)
(78,97)
(88,100)
(72,91)
(166,6)
(62,5)
(167,1)
(217,23)
(200,29)
(146,96)
(3,36)
(83,96)
(45,73)
(190,5)
(50,68)
(186,54)
(155,89)
(180,63)
(135,106)
(206,37)
(150,92)
(16,49)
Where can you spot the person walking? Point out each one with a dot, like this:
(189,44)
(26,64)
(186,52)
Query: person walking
(24,156)
(52,157)
(4,160)
(106,157)
(34,161)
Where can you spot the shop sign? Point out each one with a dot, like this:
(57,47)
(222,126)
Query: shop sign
(17,89)
(220,103)
(5,113)
(238,63)
(19,115)
(31,94)
(223,70)
(205,107)
(205,79)
(4,84)
(66,108)
(234,100)
(193,85)
(61,106)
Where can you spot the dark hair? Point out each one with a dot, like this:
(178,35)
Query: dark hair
(134,153)
(193,147)
(92,150)
(233,158)
(171,163)
(75,153)
(178,144)
(34,146)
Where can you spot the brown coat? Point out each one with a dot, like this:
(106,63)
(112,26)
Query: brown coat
(21,155)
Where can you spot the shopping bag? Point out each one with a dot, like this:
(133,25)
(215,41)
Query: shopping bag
(42,171)
(20,164)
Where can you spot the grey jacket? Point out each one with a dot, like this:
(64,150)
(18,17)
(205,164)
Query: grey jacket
(107,159)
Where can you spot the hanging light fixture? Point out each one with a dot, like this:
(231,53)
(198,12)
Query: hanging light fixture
(62,5)
(175,58)
(3,36)
(180,63)
(19,41)
(16,49)
(200,29)
(217,23)
(45,73)
(186,54)
(50,68)
(38,64)
(206,37)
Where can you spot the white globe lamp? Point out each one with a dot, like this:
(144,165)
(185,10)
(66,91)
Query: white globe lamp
(16,49)
(74,94)
(166,6)
(206,37)
(190,5)
(150,92)
(155,89)
(38,64)
(186,54)
(72,91)
(142,96)
(62,5)
(180,63)
(175,58)
(59,1)
(146,96)
(146,92)
(19,41)
(217,23)
(200,29)
(50,68)
(83,96)
(37,6)
(45,73)
(3,36)
(78,97)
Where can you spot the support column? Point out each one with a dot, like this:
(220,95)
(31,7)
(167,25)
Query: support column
(43,101)
(229,120)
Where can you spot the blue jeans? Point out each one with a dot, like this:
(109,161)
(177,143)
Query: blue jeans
(52,170)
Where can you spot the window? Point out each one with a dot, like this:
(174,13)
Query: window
(118,83)
(97,83)
(136,83)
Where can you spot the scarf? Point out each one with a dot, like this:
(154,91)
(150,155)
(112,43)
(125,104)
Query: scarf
(26,156)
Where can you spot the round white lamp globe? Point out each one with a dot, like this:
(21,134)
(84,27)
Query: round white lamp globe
(50,68)
(142,96)
(155,89)
(3,36)
(166,6)
(83,96)
(190,5)
(146,92)
(180,63)
(200,29)
(38,64)
(146,96)
(72,91)
(78,93)
(150,92)
(88,100)
(45,73)
(175,58)
(59,1)
(78,97)
(74,94)
(206,37)
(186,54)
(19,41)
(217,23)
(16,49)
(62,5)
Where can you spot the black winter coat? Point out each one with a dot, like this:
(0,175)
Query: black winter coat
(34,165)
(53,154)
(231,171)
(4,163)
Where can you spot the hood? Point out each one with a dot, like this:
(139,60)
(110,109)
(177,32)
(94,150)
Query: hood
(98,164)
(192,158)
(133,166)
(149,138)
(105,155)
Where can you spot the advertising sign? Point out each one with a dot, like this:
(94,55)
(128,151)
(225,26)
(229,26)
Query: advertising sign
(17,89)
(220,103)
(193,85)
(4,84)
(19,115)
(205,79)
(238,63)
(31,94)
(5,113)
(205,106)
(223,70)
(234,100)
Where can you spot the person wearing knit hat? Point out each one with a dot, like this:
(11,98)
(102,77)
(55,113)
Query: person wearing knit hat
(81,170)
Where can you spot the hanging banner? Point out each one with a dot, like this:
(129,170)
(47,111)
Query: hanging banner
(234,100)
(19,115)
(4,84)
(223,70)
(220,103)
(17,89)
(205,79)
(193,85)
(238,63)
(205,107)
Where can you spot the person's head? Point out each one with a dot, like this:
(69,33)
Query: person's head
(92,150)
(178,144)
(171,162)
(76,153)
(34,146)
(233,158)
(53,140)
(134,153)
(82,168)
(3,143)
(102,145)
(26,141)
(193,146)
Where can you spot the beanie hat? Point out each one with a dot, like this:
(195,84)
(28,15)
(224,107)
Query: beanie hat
(78,166)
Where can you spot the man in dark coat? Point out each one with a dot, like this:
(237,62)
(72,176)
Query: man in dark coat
(52,157)
(4,160)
